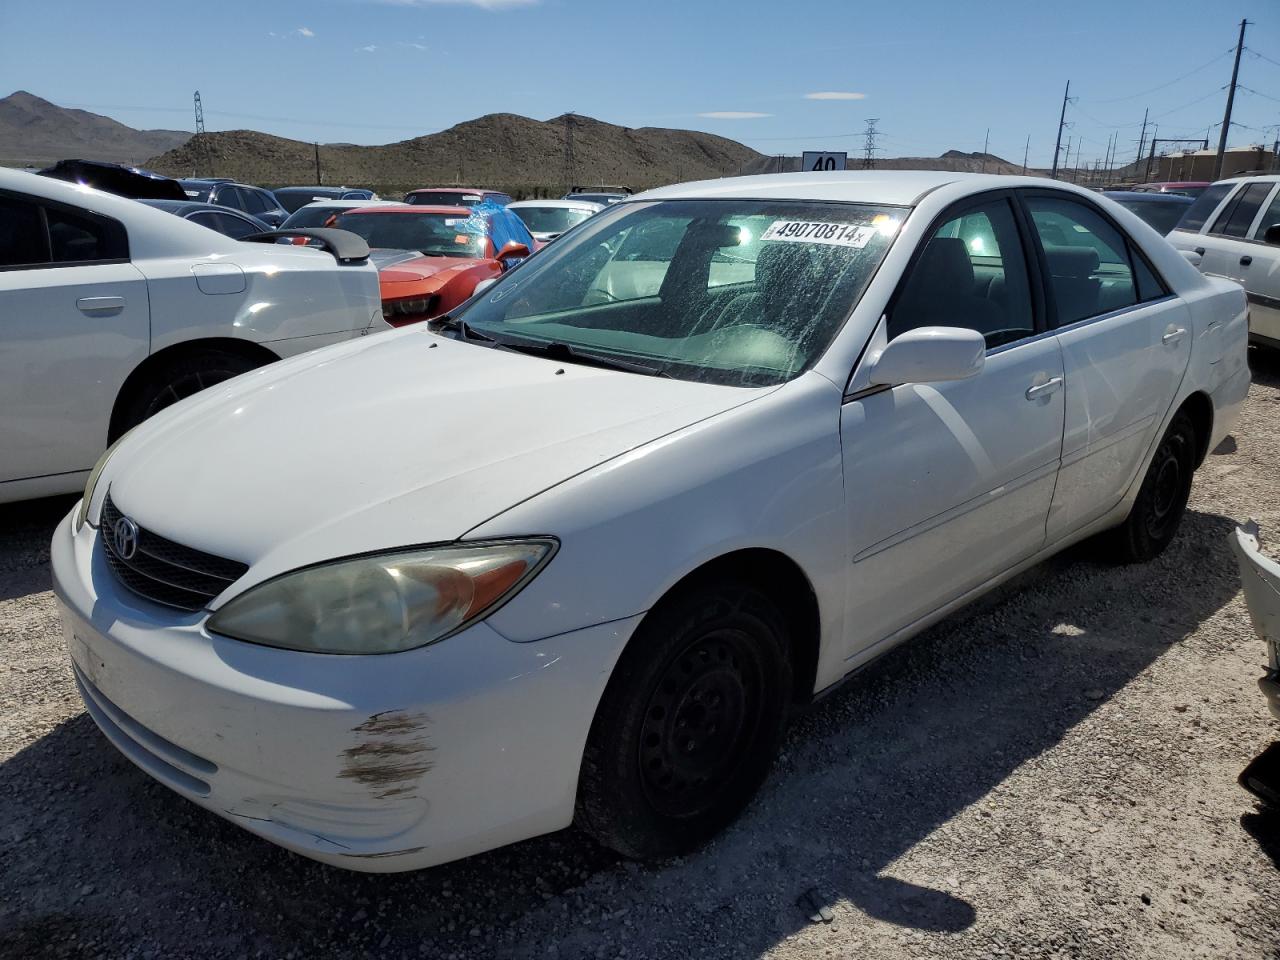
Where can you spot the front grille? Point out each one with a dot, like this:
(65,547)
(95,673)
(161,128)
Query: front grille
(166,572)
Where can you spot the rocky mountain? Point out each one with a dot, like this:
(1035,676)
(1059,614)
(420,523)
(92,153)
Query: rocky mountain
(35,132)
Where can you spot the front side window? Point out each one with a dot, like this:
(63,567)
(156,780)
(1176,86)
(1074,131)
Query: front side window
(1204,206)
(1234,221)
(683,288)
(971,273)
(228,196)
(1088,259)
(431,234)
(257,202)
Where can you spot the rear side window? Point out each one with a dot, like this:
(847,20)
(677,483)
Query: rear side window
(229,196)
(1269,219)
(1205,204)
(225,223)
(49,235)
(1234,221)
(1088,259)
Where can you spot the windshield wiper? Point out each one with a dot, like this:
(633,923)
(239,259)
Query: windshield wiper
(555,350)
(456,325)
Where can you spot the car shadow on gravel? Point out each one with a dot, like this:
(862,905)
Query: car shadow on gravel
(97,857)
(25,531)
(1264,365)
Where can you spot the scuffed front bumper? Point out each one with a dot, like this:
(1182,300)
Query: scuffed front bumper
(1261,578)
(375,763)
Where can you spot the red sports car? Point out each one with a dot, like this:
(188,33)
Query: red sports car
(430,259)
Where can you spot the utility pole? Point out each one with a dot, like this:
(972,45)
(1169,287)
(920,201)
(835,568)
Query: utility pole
(1067,159)
(985,144)
(1062,119)
(1142,141)
(1151,156)
(869,146)
(316,144)
(1231,96)
(1026,152)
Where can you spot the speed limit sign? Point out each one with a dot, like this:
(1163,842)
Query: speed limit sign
(813,160)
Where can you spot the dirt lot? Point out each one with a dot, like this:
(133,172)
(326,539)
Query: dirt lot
(1050,775)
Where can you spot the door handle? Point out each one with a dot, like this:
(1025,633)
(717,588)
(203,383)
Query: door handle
(1050,386)
(100,304)
(1173,336)
(1246,260)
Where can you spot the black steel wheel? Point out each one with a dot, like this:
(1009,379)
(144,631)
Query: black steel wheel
(1162,499)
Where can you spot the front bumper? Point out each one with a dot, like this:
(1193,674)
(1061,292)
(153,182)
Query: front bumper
(1261,578)
(376,763)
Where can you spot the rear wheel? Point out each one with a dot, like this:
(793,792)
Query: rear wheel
(1162,500)
(689,723)
(179,379)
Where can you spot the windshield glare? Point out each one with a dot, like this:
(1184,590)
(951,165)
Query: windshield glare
(433,234)
(550,219)
(739,292)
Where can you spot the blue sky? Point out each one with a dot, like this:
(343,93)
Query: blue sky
(935,74)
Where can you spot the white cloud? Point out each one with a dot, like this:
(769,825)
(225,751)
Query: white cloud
(734,115)
(835,95)
(367,48)
(305,32)
(410,43)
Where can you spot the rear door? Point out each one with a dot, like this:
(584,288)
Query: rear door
(74,322)
(1190,235)
(1125,342)
(1261,276)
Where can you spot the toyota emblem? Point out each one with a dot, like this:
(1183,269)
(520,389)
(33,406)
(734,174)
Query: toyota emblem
(124,537)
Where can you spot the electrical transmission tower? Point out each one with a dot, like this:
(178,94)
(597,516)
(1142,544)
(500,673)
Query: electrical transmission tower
(569,163)
(202,148)
(869,145)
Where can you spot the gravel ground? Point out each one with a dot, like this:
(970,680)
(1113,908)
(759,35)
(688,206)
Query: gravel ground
(1050,774)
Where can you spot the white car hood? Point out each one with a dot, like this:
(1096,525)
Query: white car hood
(406,438)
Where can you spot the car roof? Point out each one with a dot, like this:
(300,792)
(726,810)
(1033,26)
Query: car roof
(338,203)
(394,207)
(183,207)
(480,190)
(1255,178)
(1149,196)
(558,204)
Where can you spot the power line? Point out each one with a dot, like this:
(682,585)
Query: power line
(1133,96)
(1256,93)
(1211,93)
(1261,56)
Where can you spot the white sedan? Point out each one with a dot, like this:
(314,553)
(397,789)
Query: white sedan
(110,310)
(547,219)
(574,555)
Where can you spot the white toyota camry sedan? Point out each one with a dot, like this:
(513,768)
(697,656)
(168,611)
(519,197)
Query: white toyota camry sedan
(577,552)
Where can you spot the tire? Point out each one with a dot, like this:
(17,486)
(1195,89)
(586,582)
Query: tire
(179,379)
(689,724)
(1162,500)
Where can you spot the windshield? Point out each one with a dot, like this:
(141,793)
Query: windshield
(1163,216)
(311,216)
(550,219)
(444,198)
(433,234)
(293,200)
(196,190)
(739,292)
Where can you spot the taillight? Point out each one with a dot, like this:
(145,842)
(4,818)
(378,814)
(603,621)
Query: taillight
(409,309)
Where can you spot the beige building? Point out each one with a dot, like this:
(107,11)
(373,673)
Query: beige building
(1198,164)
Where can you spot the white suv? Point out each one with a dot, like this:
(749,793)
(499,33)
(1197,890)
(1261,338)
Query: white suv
(1233,229)
(111,310)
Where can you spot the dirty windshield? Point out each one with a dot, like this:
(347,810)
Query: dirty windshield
(740,292)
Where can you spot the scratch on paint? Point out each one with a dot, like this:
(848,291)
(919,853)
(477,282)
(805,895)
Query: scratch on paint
(391,753)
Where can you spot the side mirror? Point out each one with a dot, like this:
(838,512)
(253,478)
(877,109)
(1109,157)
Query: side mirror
(483,285)
(512,253)
(928,355)
(1192,257)
(1272,234)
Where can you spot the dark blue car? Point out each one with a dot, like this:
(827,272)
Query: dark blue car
(254,201)
(1161,211)
(232,223)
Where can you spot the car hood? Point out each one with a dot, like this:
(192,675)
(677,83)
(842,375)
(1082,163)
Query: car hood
(405,266)
(403,438)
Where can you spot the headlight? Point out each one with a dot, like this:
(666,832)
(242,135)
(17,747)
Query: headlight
(91,484)
(383,603)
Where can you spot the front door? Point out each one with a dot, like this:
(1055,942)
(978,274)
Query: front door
(949,484)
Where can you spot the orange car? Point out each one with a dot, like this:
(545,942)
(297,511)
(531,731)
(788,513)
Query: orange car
(430,259)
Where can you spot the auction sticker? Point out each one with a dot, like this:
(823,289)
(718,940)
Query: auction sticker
(811,231)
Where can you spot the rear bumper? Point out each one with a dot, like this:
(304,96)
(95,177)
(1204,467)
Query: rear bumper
(1260,576)
(378,763)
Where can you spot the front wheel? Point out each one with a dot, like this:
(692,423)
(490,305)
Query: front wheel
(179,379)
(689,724)
(1162,499)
